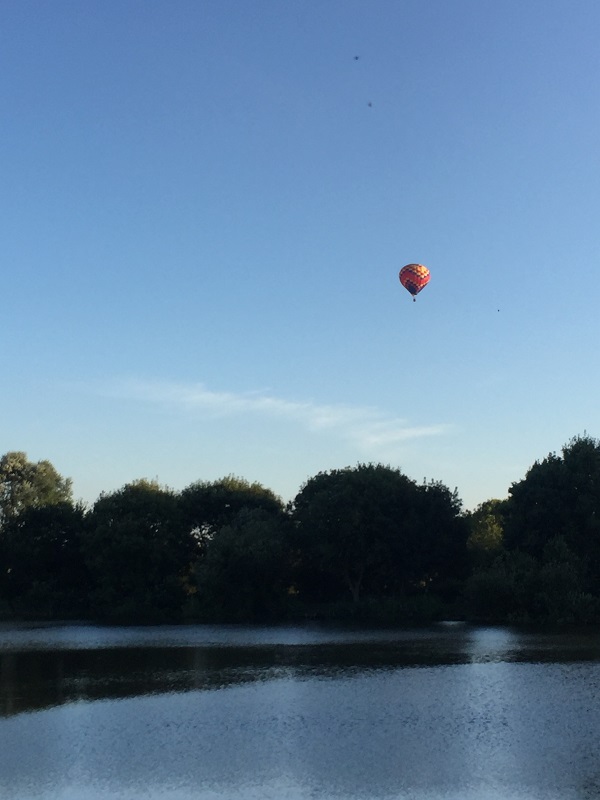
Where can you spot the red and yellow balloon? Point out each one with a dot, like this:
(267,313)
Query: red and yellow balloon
(414,277)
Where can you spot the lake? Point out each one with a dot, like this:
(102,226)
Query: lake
(450,712)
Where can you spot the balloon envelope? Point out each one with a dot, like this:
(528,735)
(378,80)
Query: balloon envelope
(414,277)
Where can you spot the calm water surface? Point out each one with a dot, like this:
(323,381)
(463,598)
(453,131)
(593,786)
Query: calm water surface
(452,712)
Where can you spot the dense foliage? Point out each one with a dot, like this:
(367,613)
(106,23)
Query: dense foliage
(536,555)
(365,543)
(371,530)
(25,484)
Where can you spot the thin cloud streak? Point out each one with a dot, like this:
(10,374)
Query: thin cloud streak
(368,428)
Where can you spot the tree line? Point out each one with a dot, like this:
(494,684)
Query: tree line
(363,544)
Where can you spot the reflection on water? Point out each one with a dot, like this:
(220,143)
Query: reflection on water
(223,713)
(47,666)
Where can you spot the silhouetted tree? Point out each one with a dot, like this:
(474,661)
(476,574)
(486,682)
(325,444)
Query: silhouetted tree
(372,530)
(245,572)
(560,497)
(441,563)
(42,568)
(209,505)
(140,554)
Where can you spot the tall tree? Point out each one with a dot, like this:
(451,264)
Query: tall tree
(559,497)
(245,572)
(442,561)
(42,569)
(139,553)
(209,505)
(27,484)
(355,528)
(375,531)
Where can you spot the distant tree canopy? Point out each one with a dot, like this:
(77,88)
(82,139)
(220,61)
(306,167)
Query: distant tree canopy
(486,531)
(242,570)
(373,530)
(139,554)
(363,542)
(209,505)
(26,484)
(547,568)
(559,497)
(42,564)
(245,572)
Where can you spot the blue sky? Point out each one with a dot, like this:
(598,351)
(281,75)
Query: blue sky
(205,205)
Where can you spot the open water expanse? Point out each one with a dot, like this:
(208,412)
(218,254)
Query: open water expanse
(451,712)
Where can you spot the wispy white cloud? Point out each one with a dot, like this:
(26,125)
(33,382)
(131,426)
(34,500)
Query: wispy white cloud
(368,428)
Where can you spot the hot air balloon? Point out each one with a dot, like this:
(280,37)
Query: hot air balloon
(414,277)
